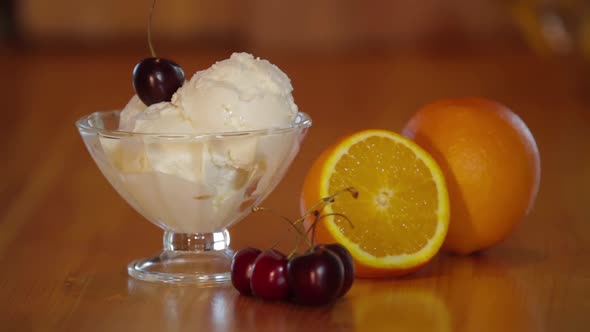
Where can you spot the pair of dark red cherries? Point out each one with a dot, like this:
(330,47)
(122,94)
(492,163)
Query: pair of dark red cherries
(318,277)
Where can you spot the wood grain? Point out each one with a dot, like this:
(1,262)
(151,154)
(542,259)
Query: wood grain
(66,236)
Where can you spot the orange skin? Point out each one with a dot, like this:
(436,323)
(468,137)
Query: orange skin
(491,165)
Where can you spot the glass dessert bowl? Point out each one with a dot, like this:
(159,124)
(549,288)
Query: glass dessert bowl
(193,186)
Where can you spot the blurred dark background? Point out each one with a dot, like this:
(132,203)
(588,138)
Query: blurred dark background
(550,27)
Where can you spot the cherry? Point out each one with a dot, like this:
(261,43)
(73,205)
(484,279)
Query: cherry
(269,276)
(156,79)
(347,263)
(316,278)
(241,269)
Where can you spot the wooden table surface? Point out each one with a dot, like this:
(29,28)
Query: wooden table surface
(66,236)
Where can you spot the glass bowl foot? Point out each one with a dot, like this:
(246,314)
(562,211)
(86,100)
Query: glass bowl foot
(199,259)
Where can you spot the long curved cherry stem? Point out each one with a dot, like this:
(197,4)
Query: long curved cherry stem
(353,192)
(316,217)
(149,31)
(338,215)
(275,244)
(330,199)
(320,217)
(293,224)
(324,202)
(314,212)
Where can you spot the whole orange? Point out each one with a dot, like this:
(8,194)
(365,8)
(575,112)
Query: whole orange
(491,165)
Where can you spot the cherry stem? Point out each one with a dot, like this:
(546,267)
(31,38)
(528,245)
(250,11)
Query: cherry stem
(351,190)
(312,211)
(275,244)
(293,224)
(324,202)
(338,215)
(330,199)
(149,32)
(316,215)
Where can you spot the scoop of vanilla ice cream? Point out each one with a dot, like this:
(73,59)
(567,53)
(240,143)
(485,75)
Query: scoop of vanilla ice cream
(241,93)
(193,186)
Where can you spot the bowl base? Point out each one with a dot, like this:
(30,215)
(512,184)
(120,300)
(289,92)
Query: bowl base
(206,268)
(202,259)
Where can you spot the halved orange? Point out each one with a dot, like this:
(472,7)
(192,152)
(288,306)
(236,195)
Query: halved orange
(401,216)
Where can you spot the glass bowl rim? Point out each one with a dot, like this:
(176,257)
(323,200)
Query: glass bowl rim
(302,121)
